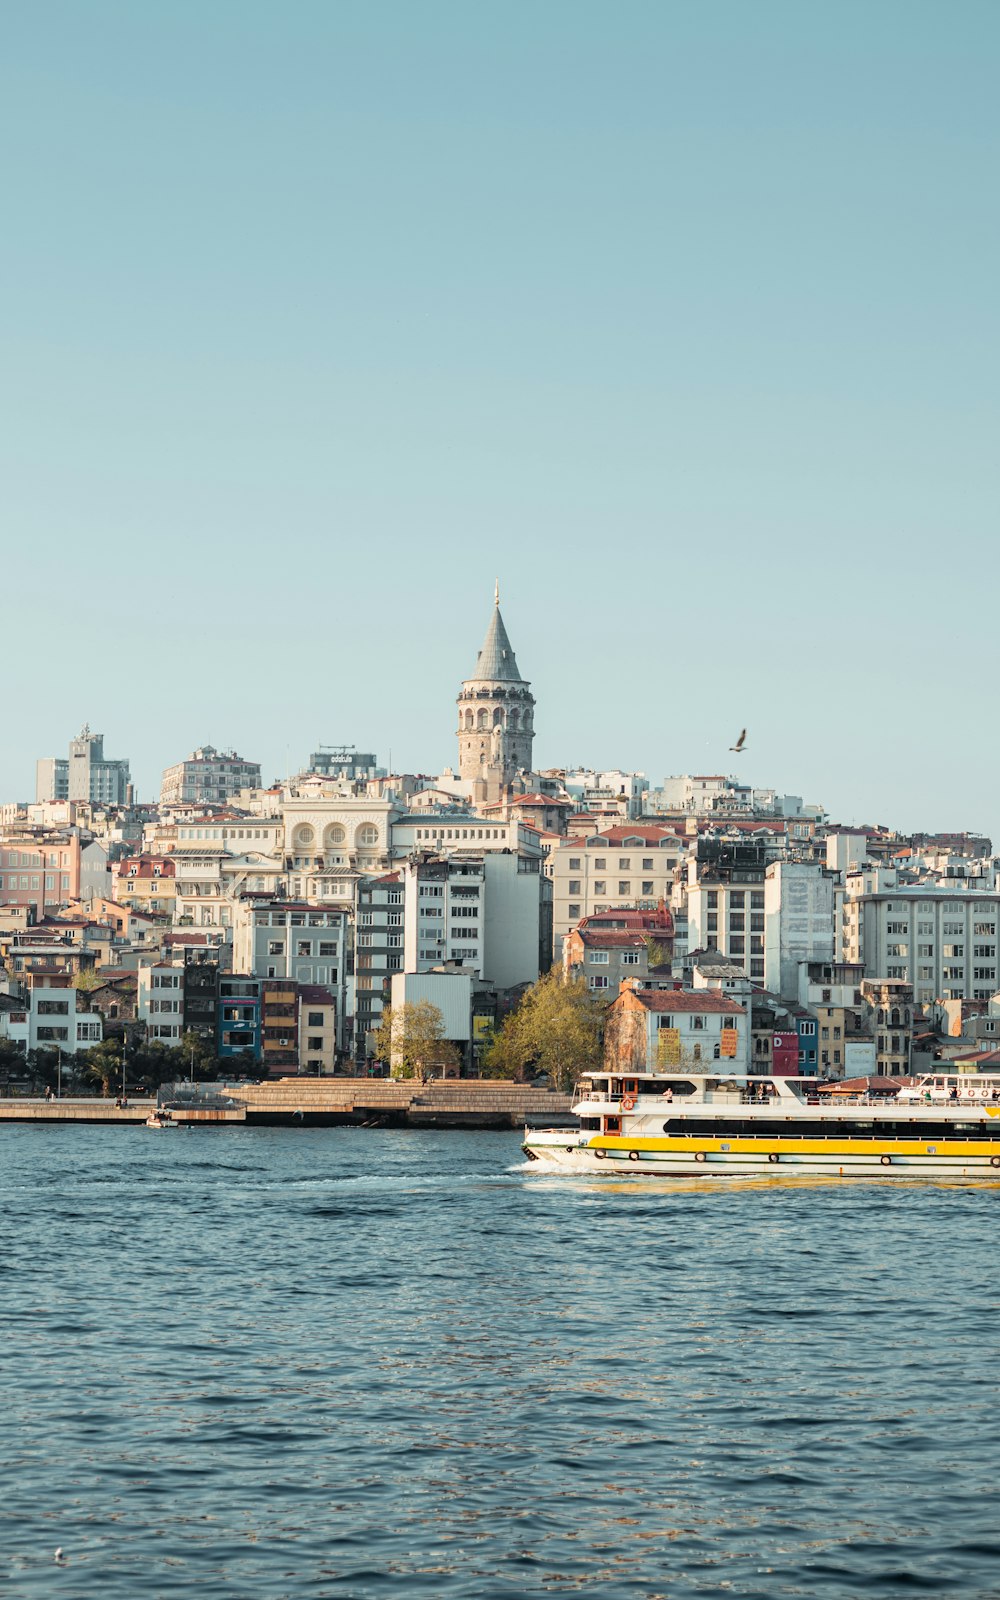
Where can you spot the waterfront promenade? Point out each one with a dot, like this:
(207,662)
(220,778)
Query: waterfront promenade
(378,1102)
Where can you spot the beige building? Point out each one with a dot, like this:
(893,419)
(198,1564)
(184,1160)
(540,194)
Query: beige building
(317,1029)
(332,841)
(208,775)
(629,865)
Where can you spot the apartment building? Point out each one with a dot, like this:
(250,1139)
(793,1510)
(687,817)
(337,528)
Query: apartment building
(307,944)
(379,948)
(486,911)
(941,942)
(624,866)
(208,775)
(160,1002)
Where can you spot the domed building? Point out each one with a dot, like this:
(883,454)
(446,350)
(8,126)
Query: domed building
(495,713)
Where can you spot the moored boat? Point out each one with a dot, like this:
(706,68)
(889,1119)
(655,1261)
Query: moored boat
(160,1119)
(677,1124)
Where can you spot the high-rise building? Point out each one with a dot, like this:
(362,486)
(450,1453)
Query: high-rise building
(86,774)
(495,711)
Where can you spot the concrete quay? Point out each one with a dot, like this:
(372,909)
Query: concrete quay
(55,1112)
(401,1102)
(27,1109)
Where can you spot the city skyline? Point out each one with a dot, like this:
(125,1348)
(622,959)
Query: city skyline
(681,320)
(297,761)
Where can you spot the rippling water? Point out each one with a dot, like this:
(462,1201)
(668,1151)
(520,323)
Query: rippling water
(337,1362)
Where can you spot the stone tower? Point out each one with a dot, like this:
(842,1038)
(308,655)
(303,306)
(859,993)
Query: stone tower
(495,711)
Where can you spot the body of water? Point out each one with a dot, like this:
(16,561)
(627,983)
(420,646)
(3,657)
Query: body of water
(354,1363)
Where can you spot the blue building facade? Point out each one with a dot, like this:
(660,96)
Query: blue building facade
(239,1016)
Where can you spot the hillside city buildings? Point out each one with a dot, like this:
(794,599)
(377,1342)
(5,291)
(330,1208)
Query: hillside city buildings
(718,922)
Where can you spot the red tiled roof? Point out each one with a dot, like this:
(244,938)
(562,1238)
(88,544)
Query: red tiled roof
(142,867)
(701,1000)
(617,835)
(610,939)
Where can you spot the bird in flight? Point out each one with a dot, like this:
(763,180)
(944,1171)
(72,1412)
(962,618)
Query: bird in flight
(738,746)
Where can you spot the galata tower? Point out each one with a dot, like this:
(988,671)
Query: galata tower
(495,711)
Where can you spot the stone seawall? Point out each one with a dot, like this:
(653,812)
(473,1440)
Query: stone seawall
(442,1103)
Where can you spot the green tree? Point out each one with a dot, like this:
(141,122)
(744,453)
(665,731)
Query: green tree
(657,953)
(555,1030)
(102,1066)
(412,1039)
(88,978)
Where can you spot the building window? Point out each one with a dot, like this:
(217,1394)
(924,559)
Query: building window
(574,863)
(624,886)
(599,958)
(600,888)
(647,886)
(574,885)
(276,947)
(573,912)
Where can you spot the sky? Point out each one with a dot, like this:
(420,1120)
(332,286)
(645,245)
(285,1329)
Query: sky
(681,318)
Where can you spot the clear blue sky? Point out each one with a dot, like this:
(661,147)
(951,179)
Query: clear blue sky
(680,316)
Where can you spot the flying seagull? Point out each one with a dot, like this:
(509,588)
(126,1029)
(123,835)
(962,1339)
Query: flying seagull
(738,746)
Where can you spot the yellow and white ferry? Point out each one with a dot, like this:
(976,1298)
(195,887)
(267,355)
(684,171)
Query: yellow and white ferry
(675,1124)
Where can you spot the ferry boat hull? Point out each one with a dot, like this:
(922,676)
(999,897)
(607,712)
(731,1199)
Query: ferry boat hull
(705,1158)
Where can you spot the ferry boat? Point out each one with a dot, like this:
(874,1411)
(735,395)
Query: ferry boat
(677,1124)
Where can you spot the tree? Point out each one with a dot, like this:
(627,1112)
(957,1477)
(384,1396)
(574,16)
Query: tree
(657,953)
(555,1030)
(411,1038)
(102,1065)
(88,978)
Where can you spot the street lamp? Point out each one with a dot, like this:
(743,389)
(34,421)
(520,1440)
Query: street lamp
(124,1048)
(58,1071)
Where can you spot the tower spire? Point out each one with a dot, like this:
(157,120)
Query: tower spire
(496,593)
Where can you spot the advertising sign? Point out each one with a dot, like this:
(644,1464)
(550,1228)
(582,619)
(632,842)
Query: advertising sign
(668,1047)
(785,1055)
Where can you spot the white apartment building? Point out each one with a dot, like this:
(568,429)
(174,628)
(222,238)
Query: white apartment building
(623,792)
(860,881)
(50,1019)
(484,911)
(626,866)
(216,862)
(160,1002)
(700,794)
(208,775)
(798,922)
(942,942)
(727,913)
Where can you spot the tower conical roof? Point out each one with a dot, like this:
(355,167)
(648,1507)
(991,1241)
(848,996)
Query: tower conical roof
(496,662)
